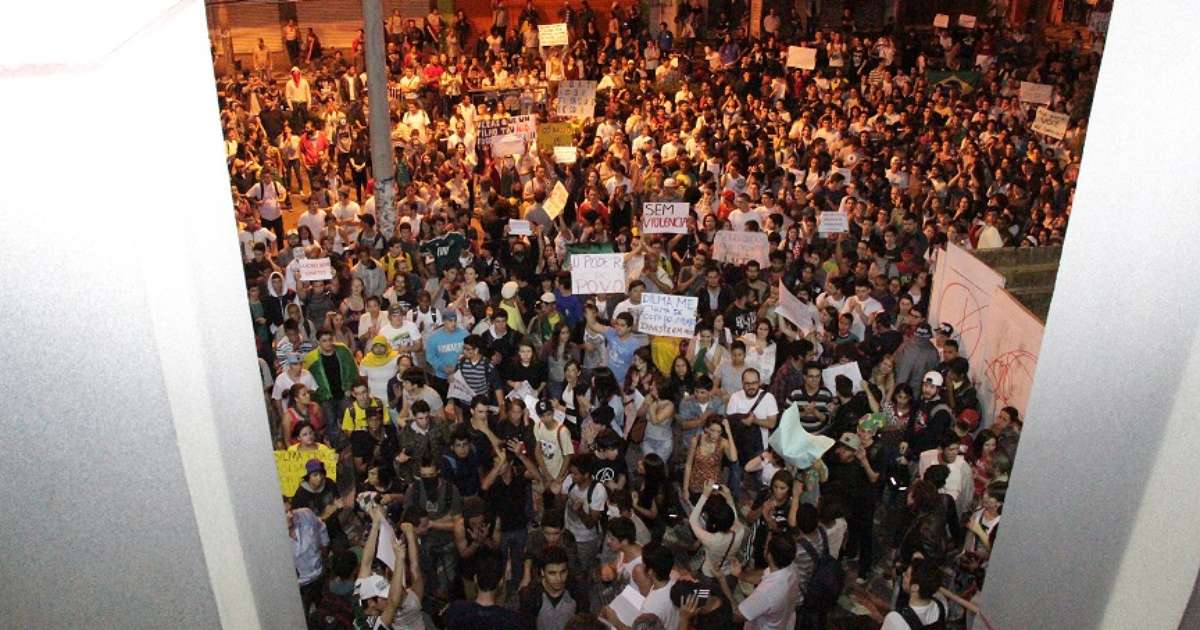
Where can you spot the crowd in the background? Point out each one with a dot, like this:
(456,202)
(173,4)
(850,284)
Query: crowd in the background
(521,454)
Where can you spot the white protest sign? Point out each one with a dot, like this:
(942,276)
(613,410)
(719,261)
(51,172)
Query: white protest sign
(565,155)
(849,370)
(983,61)
(383,548)
(668,315)
(665,217)
(576,99)
(508,145)
(739,247)
(315,269)
(801,57)
(833,223)
(516,227)
(941,20)
(597,273)
(1036,93)
(1053,124)
(488,132)
(556,202)
(792,309)
(459,390)
(552,34)
(966,21)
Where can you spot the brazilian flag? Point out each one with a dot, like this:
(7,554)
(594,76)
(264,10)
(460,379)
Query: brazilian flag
(964,80)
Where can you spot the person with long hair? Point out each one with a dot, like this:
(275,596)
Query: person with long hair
(302,411)
(556,353)
(708,454)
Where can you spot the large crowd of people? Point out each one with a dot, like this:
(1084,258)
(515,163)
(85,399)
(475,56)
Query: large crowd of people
(491,450)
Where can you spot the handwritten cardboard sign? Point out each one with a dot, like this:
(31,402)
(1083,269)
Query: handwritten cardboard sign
(291,466)
(597,273)
(665,217)
(1051,123)
(668,315)
(576,99)
(1036,93)
(552,34)
(833,223)
(801,57)
(739,247)
(315,269)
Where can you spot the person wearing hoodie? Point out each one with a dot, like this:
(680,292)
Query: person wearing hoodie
(332,366)
(277,300)
(378,365)
(916,356)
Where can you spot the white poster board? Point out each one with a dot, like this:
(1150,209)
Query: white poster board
(668,315)
(565,155)
(488,132)
(508,145)
(459,390)
(597,273)
(801,57)
(1007,360)
(665,217)
(1050,123)
(966,21)
(941,20)
(315,269)
(576,99)
(517,227)
(962,291)
(739,247)
(556,202)
(793,310)
(1036,93)
(833,223)
(849,370)
(552,35)
(383,548)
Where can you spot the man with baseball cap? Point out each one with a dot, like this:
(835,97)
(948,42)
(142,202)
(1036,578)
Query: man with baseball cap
(554,443)
(541,327)
(933,420)
(378,598)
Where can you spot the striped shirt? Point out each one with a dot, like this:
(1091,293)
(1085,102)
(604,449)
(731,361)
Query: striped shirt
(480,377)
(823,400)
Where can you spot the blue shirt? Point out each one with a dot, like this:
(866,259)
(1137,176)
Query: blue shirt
(311,536)
(620,352)
(570,307)
(442,350)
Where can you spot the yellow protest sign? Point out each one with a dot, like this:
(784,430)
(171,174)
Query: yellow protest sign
(290,466)
(555,134)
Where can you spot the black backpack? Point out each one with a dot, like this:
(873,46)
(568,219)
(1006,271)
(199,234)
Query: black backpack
(910,617)
(827,580)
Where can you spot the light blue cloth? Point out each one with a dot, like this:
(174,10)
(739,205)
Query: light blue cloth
(311,536)
(795,445)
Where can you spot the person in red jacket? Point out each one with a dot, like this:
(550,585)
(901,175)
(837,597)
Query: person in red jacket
(313,147)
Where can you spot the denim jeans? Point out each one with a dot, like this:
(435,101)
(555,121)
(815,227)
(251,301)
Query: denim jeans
(512,549)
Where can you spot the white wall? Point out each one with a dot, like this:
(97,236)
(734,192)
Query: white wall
(139,481)
(1100,527)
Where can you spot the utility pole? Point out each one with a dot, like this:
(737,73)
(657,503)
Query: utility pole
(225,39)
(382,168)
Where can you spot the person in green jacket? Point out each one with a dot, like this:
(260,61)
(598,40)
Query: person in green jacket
(332,366)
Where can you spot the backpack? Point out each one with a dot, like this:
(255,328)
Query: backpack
(914,622)
(827,580)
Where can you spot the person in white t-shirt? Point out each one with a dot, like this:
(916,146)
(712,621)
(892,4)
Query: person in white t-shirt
(586,500)
(292,374)
(772,605)
(657,562)
(760,416)
(254,234)
(402,334)
(862,307)
(922,580)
